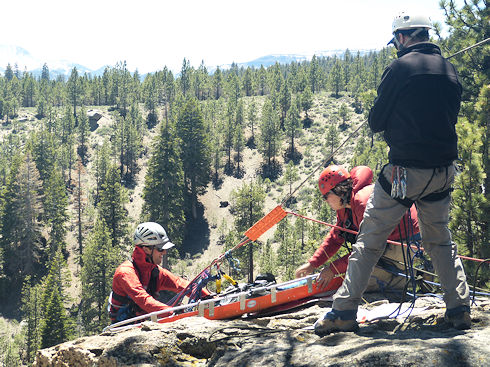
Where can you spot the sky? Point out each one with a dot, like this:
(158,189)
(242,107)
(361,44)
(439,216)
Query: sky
(151,34)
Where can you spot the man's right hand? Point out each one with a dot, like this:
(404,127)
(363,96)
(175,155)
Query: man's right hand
(304,270)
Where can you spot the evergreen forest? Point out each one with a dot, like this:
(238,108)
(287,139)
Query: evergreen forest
(77,153)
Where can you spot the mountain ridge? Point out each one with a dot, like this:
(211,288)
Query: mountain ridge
(25,61)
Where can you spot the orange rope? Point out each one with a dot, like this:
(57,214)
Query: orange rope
(355,232)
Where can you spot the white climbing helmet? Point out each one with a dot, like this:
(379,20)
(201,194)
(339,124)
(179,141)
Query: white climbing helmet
(405,21)
(151,234)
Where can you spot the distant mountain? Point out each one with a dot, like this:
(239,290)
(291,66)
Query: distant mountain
(270,60)
(23,60)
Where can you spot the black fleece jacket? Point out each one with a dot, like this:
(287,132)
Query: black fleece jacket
(417,108)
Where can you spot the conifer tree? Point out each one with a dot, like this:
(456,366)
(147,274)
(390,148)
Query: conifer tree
(101,166)
(83,135)
(252,120)
(262,80)
(229,133)
(468,198)
(247,205)
(292,130)
(31,313)
(195,152)
(74,91)
(314,75)
(247,82)
(56,326)
(55,204)
(218,83)
(111,206)
(163,193)
(284,102)
(185,77)
(269,136)
(239,143)
(336,78)
(291,175)
(100,259)
(21,240)
(306,101)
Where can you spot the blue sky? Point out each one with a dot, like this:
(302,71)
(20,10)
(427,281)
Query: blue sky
(149,34)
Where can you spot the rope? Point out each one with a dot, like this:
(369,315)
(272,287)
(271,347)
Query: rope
(476,277)
(387,241)
(469,48)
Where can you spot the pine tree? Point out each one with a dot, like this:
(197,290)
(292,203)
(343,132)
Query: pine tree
(252,121)
(21,240)
(239,142)
(100,259)
(56,326)
(195,152)
(292,131)
(229,133)
(468,197)
(291,175)
(269,137)
(55,204)
(284,102)
(247,206)
(185,81)
(218,83)
(31,313)
(74,91)
(336,78)
(163,193)
(306,101)
(101,166)
(83,135)
(111,206)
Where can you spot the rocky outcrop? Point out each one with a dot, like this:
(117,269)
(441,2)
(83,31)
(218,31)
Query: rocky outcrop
(424,339)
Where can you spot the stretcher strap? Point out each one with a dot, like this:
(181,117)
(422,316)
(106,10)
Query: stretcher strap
(267,222)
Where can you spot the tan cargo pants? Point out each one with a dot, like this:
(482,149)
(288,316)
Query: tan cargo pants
(381,216)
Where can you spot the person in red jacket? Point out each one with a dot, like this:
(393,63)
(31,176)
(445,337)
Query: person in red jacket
(136,282)
(347,193)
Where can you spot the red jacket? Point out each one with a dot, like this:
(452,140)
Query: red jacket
(132,283)
(362,188)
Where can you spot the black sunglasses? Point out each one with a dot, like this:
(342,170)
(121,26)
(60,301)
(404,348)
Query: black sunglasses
(156,248)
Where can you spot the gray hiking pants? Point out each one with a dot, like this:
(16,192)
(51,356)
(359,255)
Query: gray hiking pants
(382,215)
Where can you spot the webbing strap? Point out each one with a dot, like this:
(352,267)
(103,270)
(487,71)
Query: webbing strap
(259,228)
(436,196)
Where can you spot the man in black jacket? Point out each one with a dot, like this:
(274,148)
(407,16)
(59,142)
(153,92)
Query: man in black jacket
(416,109)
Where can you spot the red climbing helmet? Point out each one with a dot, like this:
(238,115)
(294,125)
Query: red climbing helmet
(330,177)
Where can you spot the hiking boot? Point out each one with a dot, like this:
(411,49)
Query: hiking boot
(333,321)
(459,317)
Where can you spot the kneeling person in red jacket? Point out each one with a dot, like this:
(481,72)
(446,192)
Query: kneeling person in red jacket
(136,282)
(348,193)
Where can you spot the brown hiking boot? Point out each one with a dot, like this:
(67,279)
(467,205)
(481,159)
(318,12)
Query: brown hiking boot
(460,321)
(326,326)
